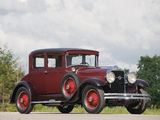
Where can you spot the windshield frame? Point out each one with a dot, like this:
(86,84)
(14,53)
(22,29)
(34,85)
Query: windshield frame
(95,60)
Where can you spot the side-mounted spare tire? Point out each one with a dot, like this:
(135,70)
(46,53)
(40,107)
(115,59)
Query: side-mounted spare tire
(69,84)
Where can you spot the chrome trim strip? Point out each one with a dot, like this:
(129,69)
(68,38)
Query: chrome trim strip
(46,102)
(126,96)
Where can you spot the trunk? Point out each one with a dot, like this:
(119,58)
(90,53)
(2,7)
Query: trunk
(3,94)
(3,99)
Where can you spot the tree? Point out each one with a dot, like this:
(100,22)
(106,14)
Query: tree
(149,70)
(10,72)
(126,71)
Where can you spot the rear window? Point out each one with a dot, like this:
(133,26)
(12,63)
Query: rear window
(38,61)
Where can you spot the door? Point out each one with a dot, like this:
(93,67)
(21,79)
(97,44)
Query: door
(54,73)
(37,74)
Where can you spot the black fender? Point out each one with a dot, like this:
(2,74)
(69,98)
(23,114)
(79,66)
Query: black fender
(93,81)
(77,95)
(141,83)
(133,88)
(29,87)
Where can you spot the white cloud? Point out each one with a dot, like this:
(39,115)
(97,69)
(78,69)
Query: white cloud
(22,1)
(121,30)
(2,37)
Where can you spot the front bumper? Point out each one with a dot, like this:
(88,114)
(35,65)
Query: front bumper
(126,96)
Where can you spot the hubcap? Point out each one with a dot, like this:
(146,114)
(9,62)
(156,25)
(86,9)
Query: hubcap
(23,100)
(69,86)
(92,98)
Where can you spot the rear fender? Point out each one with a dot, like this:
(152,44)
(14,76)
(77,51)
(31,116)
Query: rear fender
(29,87)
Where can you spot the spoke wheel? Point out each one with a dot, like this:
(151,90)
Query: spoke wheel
(93,99)
(22,99)
(69,86)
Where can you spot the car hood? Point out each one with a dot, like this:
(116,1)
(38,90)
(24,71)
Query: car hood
(92,72)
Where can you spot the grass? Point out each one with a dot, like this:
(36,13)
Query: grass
(77,109)
(106,110)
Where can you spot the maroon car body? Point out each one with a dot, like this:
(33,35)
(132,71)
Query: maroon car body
(64,77)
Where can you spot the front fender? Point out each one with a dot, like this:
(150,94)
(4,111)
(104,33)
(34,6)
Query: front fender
(94,81)
(29,87)
(141,83)
(78,92)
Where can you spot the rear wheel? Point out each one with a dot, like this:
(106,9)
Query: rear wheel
(65,109)
(22,99)
(138,107)
(93,99)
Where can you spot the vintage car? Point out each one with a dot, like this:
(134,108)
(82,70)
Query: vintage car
(64,77)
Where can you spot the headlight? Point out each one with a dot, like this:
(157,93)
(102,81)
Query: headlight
(131,77)
(110,77)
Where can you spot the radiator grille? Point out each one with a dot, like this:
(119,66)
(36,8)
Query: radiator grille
(118,85)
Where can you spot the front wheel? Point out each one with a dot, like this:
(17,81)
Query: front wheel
(65,109)
(93,99)
(23,103)
(138,107)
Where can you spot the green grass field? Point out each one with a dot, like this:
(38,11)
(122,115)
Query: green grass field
(106,110)
(77,109)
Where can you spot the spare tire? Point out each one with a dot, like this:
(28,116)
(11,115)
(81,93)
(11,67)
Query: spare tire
(69,84)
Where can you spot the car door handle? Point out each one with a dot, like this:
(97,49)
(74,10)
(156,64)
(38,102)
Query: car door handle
(45,72)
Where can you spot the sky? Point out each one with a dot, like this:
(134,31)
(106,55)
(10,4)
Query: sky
(121,30)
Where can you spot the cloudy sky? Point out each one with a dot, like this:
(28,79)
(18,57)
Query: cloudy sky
(122,30)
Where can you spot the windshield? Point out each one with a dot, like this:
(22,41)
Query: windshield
(81,59)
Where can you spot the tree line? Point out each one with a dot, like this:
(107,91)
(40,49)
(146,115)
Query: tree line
(11,73)
(149,70)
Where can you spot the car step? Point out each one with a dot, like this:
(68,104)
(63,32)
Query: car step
(52,101)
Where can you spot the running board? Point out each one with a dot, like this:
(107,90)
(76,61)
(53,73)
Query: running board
(52,102)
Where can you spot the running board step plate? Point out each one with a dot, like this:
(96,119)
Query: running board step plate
(52,101)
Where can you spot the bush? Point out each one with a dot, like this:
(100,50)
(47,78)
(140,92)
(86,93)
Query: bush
(7,107)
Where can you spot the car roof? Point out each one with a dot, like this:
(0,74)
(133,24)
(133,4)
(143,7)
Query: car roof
(60,50)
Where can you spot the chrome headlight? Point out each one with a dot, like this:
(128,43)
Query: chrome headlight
(110,77)
(131,77)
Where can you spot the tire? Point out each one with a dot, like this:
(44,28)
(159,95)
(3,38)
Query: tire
(93,99)
(23,102)
(138,107)
(69,84)
(65,109)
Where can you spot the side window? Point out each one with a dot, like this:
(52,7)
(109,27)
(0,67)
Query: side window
(38,61)
(54,60)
